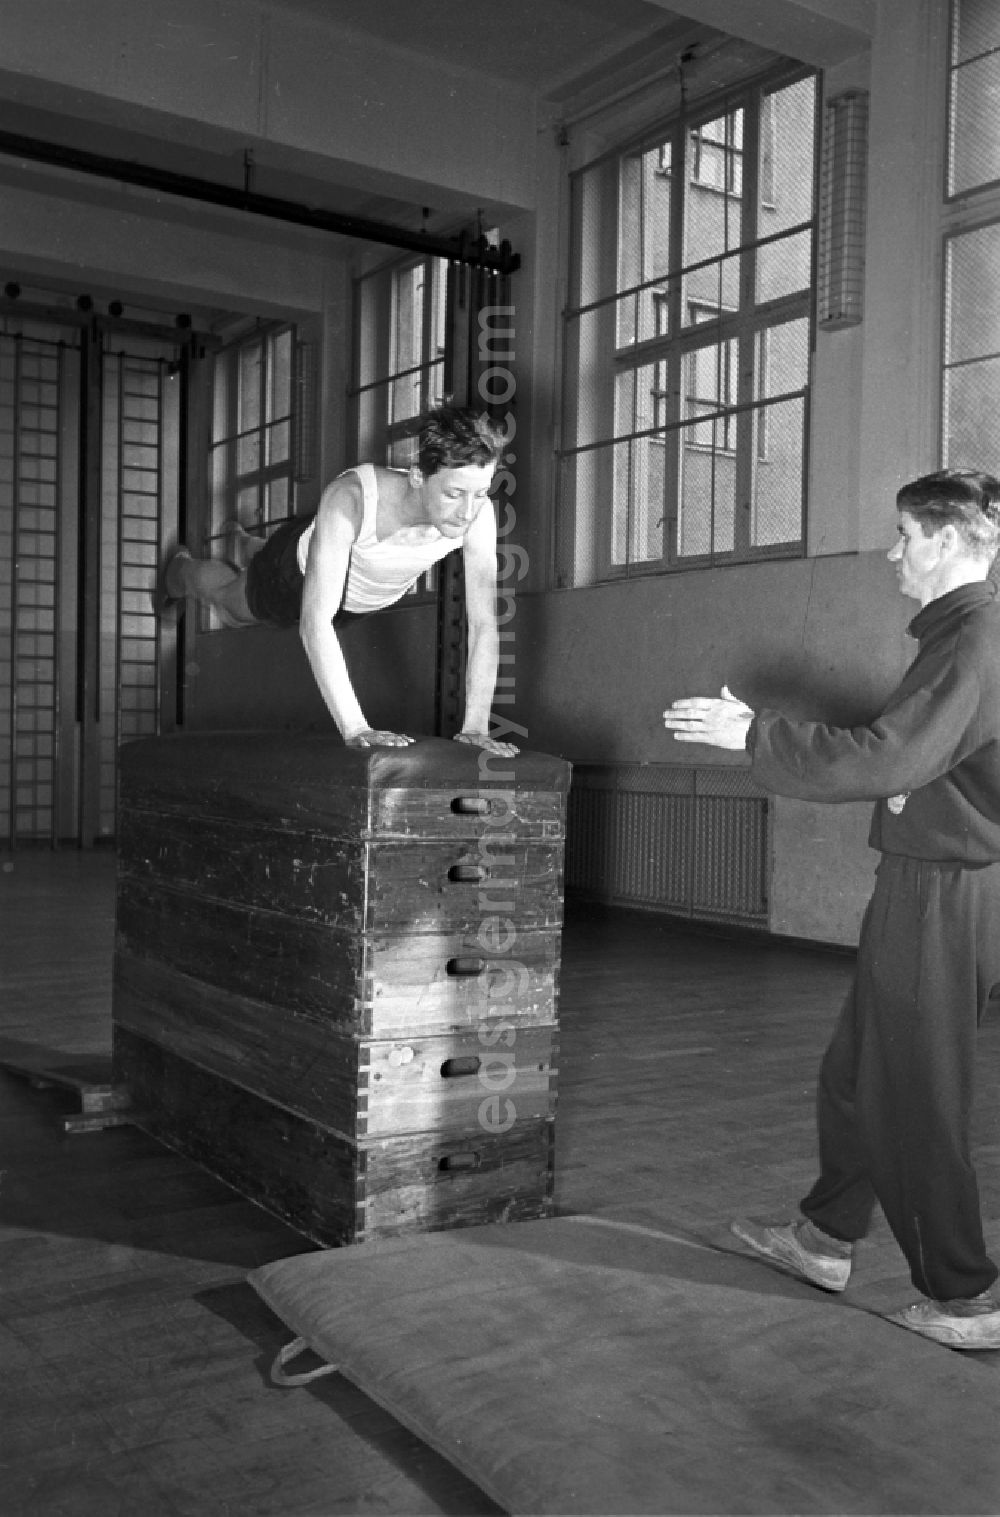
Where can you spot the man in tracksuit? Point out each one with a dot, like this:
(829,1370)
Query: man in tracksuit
(896,1082)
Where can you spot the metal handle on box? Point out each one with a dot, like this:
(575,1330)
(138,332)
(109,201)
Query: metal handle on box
(468,1160)
(462,1064)
(471,805)
(464,874)
(466,967)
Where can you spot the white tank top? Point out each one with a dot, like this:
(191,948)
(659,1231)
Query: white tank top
(381,572)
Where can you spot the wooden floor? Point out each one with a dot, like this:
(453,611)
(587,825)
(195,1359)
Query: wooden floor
(135,1356)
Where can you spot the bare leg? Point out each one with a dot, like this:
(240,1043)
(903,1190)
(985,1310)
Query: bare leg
(212,583)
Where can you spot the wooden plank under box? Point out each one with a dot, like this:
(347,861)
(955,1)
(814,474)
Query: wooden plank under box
(362,943)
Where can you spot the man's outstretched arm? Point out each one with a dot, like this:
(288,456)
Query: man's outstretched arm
(720,722)
(337,525)
(480,560)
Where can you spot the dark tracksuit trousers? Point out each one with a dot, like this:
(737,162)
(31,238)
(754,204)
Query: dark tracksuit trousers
(896,1083)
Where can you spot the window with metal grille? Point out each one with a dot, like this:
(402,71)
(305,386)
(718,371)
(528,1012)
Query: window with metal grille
(688,341)
(974,89)
(971,359)
(263,432)
(399,360)
(252,465)
(399,356)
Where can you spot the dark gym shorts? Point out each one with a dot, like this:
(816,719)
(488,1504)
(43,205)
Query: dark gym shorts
(274,580)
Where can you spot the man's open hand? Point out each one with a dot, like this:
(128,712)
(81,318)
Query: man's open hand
(720,723)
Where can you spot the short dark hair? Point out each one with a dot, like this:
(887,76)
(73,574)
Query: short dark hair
(451,436)
(966,498)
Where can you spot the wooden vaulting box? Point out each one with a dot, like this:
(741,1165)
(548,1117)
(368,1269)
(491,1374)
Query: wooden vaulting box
(336,973)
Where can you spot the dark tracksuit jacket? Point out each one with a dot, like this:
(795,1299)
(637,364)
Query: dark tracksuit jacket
(896,1085)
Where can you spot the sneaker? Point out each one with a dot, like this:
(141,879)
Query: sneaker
(168,597)
(788,1249)
(969,1324)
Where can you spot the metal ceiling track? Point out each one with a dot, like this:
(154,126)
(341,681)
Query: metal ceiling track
(460,249)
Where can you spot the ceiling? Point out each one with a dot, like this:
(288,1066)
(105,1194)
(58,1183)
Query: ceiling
(541,44)
(552,48)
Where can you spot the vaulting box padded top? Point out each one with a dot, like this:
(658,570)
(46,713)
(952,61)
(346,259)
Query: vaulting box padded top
(304,779)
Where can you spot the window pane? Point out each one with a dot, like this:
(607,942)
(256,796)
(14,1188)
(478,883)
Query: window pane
(711,377)
(715,154)
(276,500)
(644,242)
(971,408)
(281,375)
(250,361)
(713,220)
(781,364)
(637,527)
(405,398)
(787,148)
(406,349)
(975,138)
(977,28)
(248,453)
(220,399)
(434,389)
(972,350)
(972,295)
(784,267)
(636,393)
(278,439)
(707,505)
(776,515)
(219,475)
(715,286)
(400,357)
(637,515)
(782,360)
(248,505)
(787,155)
(402,453)
(439,306)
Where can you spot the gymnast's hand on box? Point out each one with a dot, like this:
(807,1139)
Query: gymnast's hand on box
(489,744)
(368,737)
(704,719)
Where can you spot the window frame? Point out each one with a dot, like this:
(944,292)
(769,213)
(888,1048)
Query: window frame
(234,482)
(379,435)
(964,212)
(226,486)
(956,198)
(583,552)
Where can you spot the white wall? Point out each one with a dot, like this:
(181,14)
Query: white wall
(899,429)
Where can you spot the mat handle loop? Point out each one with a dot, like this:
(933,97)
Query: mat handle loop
(292,1351)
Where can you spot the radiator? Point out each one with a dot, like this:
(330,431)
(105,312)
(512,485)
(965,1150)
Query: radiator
(690,842)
